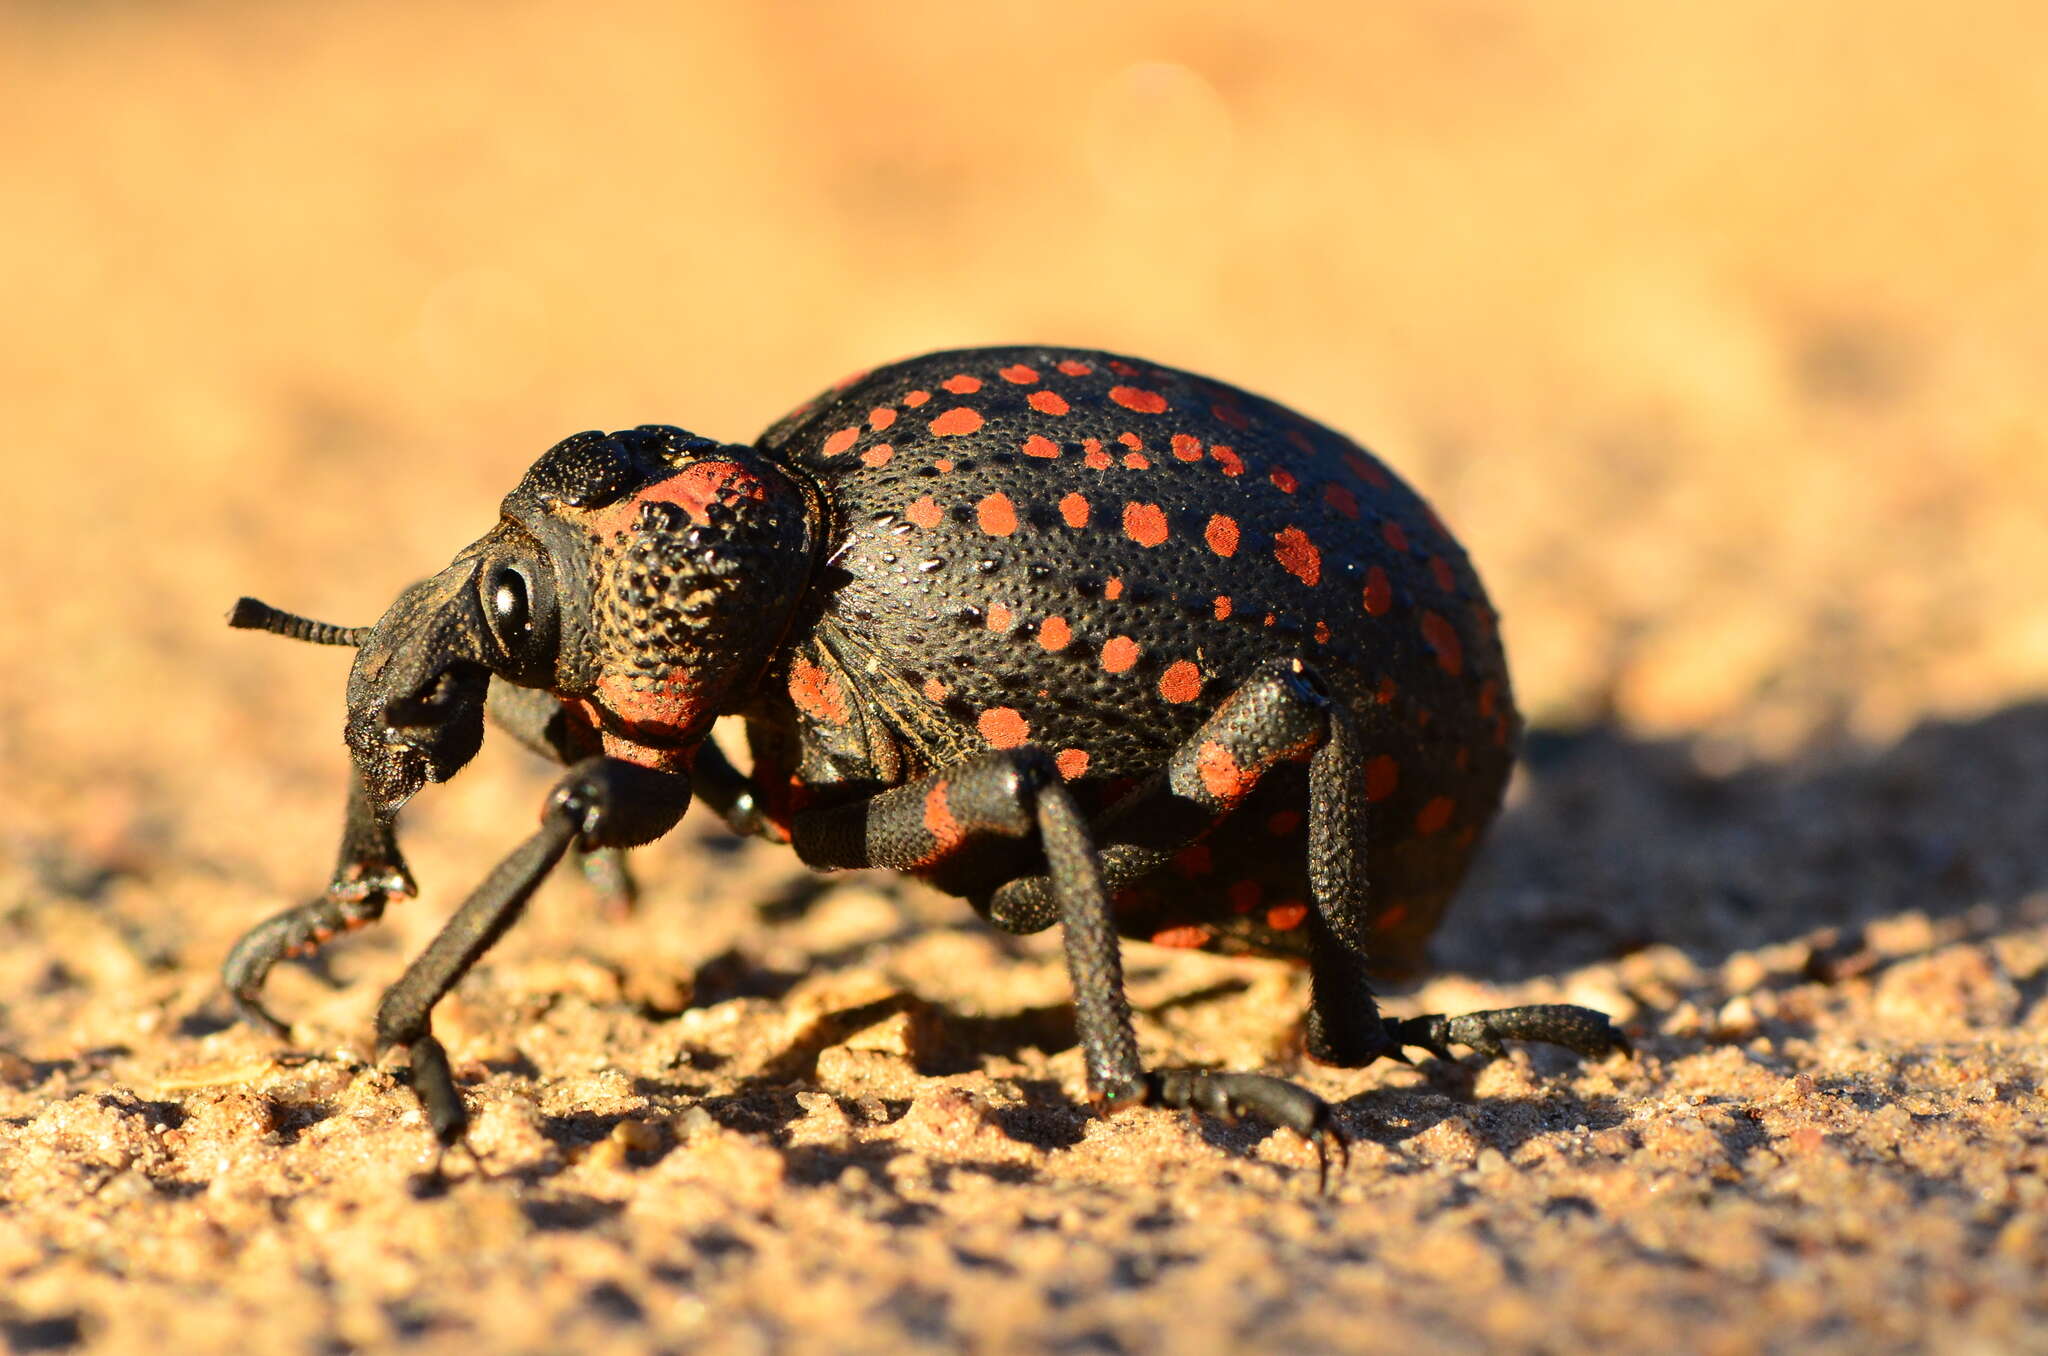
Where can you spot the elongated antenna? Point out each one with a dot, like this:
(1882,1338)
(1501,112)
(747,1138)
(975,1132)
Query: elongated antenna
(250,614)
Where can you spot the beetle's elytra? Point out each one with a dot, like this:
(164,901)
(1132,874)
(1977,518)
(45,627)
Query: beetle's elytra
(1079,638)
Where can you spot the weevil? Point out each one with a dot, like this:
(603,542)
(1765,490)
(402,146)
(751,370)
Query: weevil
(1081,639)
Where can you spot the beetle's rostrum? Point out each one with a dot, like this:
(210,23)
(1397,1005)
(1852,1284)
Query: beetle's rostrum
(1079,638)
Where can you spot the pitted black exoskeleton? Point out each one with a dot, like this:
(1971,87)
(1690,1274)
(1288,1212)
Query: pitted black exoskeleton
(1083,640)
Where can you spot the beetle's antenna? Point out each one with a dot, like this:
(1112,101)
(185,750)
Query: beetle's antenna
(251,614)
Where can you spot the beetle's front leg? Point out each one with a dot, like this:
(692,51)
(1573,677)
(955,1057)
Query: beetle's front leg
(601,803)
(369,873)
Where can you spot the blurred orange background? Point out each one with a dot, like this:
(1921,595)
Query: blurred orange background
(1715,330)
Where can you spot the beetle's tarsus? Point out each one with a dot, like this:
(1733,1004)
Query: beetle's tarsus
(1582,1030)
(1234,1096)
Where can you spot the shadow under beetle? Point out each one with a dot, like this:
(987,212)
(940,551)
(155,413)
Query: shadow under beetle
(1079,638)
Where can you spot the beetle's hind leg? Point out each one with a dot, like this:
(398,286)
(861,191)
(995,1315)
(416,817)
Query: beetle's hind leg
(956,813)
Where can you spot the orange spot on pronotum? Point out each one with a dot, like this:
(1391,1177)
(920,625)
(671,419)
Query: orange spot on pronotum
(1182,682)
(1434,815)
(840,441)
(1221,534)
(1298,555)
(1382,775)
(1072,763)
(956,421)
(1048,402)
(925,512)
(996,514)
(1004,727)
(1119,654)
(1443,638)
(1145,524)
(1074,510)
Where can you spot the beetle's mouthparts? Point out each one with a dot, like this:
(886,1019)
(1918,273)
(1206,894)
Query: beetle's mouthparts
(253,614)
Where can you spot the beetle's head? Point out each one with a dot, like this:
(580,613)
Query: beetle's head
(640,574)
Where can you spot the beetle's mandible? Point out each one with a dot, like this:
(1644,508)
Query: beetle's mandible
(1082,639)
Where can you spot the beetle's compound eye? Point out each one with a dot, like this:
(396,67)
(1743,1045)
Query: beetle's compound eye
(511,612)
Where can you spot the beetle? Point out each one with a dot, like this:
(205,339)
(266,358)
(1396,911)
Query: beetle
(1082,639)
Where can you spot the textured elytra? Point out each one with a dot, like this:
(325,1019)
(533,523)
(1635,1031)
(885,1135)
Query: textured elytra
(1088,553)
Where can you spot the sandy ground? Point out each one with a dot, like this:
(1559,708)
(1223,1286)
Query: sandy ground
(1715,333)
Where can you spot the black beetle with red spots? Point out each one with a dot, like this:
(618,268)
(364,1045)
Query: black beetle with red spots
(1079,638)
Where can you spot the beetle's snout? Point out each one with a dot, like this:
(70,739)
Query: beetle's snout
(416,691)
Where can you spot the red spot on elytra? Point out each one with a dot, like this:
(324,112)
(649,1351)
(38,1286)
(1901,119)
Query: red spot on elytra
(1093,455)
(1283,480)
(1443,638)
(878,455)
(1048,402)
(1137,461)
(1004,727)
(956,421)
(1187,447)
(1489,692)
(1017,374)
(997,515)
(1227,458)
(1368,470)
(1119,654)
(1322,632)
(917,398)
(1074,510)
(1145,524)
(1072,763)
(1245,895)
(961,384)
(925,512)
(1054,633)
(1382,775)
(1298,555)
(1287,916)
(1132,398)
(1193,860)
(1114,589)
(1186,937)
(1130,440)
(1379,592)
(1122,368)
(1222,606)
(881,417)
(1395,537)
(1232,415)
(1181,683)
(840,441)
(1342,500)
(1221,534)
(1038,445)
(1434,815)
(1283,823)
(1441,569)
(1000,619)
(934,690)
(1074,367)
